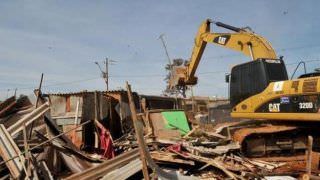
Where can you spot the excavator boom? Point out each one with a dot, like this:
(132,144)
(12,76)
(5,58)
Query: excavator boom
(246,42)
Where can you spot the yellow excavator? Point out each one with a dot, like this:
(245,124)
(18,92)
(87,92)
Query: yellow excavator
(282,112)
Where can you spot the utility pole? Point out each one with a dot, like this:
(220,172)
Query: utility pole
(169,60)
(15,92)
(165,47)
(192,100)
(105,73)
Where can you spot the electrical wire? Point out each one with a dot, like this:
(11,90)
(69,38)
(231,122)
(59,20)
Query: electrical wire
(84,80)
(160,75)
(277,50)
(315,60)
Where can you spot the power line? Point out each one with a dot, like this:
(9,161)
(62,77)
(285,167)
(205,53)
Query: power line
(298,47)
(127,76)
(315,60)
(130,76)
(83,80)
(277,50)
(138,76)
(213,72)
(50,85)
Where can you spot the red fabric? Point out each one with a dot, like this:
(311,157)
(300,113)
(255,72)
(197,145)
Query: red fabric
(106,144)
(177,148)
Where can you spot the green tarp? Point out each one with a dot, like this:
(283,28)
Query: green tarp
(176,120)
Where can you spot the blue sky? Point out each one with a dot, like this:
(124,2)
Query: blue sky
(63,39)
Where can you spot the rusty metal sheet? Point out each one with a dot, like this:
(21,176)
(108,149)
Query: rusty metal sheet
(241,134)
(65,143)
(75,164)
(282,158)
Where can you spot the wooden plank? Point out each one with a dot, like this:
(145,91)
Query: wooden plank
(28,119)
(26,149)
(315,160)
(8,150)
(169,157)
(216,164)
(140,141)
(309,155)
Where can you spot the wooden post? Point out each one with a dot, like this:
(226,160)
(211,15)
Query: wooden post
(27,155)
(96,118)
(37,101)
(135,118)
(309,155)
(74,134)
(39,90)
(192,101)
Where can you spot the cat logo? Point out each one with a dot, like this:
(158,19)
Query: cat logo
(278,86)
(274,107)
(222,40)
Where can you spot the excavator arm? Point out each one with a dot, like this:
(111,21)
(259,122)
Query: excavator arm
(260,90)
(246,42)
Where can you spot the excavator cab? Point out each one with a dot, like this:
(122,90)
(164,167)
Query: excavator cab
(253,77)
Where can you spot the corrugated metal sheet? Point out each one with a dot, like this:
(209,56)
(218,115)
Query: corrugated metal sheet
(158,97)
(82,93)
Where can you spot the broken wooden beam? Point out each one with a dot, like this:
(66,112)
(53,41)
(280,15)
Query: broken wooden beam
(106,167)
(169,157)
(28,119)
(9,150)
(134,119)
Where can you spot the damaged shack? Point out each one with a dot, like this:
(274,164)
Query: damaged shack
(108,107)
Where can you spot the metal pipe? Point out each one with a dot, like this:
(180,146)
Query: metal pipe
(304,66)
(250,50)
(232,28)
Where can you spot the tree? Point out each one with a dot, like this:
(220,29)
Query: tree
(170,67)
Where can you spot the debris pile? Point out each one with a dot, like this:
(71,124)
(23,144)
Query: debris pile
(198,153)
(72,136)
(32,146)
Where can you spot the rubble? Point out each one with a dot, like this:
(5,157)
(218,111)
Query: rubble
(152,143)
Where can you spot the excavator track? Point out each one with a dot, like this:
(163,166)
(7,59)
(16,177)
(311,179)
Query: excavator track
(272,139)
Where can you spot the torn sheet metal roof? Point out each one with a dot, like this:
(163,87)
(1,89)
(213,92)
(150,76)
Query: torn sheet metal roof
(158,97)
(82,93)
